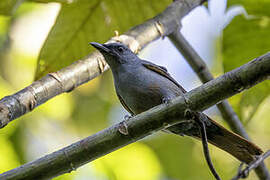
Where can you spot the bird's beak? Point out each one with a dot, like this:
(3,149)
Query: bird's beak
(100,47)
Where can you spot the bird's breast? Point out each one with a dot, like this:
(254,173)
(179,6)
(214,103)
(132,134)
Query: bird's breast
(140,97)
(142,90)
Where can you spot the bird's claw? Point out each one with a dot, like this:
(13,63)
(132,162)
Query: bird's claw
(127,117)
(166,100)
(204,119)
(189,114)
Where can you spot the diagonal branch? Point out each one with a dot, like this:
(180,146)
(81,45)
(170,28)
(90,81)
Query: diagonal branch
(254,164)
(200,68)
(82,71)
(79,153)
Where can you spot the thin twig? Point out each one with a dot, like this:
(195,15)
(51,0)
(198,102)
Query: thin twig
(200,68)
(201,123)
(254,164)
(144,124)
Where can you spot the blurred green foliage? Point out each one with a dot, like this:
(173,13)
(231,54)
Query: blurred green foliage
(7,7)
(137,157)
(245,39)
(88,109)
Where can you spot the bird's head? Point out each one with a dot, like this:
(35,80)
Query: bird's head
(115,54)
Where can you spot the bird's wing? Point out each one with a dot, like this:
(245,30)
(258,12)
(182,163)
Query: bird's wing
(124,104)
(162,71)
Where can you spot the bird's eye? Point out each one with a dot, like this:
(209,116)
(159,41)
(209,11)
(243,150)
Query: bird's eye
(120,49)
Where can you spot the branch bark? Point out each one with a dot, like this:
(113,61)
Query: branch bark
(200,68)
(82,71)
(254,164)
(144,124)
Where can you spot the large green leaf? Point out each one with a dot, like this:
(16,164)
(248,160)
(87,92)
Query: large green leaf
(243,40)
(7,7)
(252,99)
(84,21)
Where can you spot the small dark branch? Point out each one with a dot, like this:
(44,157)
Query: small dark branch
(201,123)
(243,173)
(82,71)
(201,120)
(200,68)
(144,124)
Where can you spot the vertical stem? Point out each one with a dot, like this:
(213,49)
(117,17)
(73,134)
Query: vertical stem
(200,68)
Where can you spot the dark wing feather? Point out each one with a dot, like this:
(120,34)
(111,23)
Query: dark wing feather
(124,104)
(162,71)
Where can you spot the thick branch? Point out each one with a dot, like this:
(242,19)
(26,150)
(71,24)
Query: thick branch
(200,68)
(146,123)
(80,72)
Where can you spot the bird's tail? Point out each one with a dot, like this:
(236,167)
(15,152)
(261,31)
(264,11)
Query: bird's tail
(240,148)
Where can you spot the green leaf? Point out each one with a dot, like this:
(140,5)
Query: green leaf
(7,7)
(252,99)
(244,40)
(84,21)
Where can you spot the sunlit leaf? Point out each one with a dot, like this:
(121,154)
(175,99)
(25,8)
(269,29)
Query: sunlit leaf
(7,155)
(85,21)
(134,162)
(243,40)
(252,99)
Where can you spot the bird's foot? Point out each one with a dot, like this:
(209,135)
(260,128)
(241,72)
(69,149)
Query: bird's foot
(166,100)
(127,117)
(203,118)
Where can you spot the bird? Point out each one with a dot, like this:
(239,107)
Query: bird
(141,85)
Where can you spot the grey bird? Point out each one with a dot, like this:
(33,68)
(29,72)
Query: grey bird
(141,85)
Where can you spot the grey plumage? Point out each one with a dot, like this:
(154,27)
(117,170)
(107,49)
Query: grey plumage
(141,88)
(141,85)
